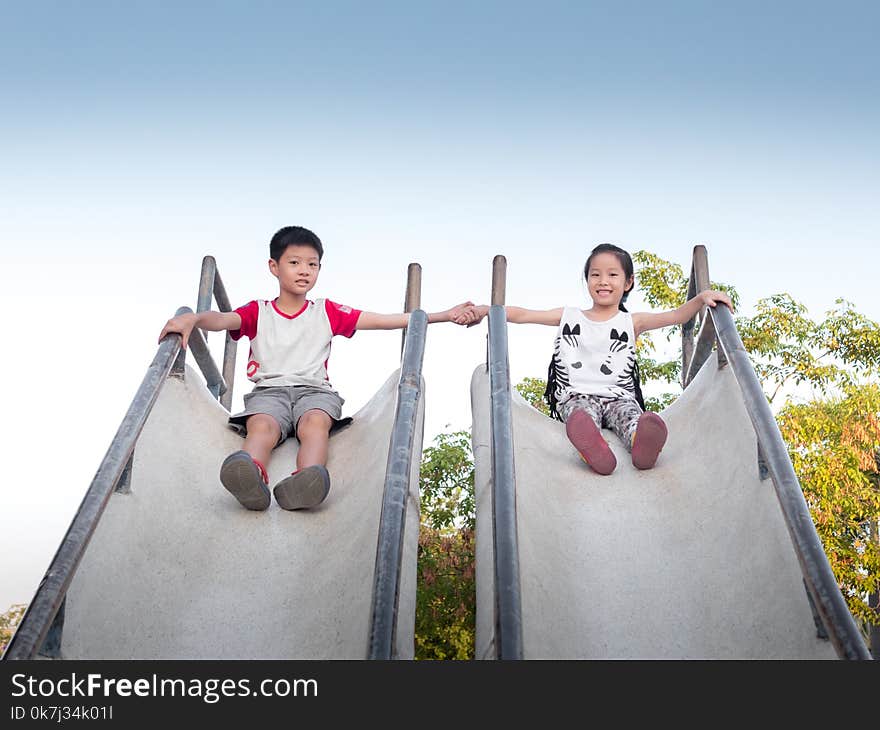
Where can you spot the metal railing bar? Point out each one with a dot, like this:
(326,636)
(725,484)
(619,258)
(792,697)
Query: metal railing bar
(508,599)
(701,351)
(412,299)
(499,280)
(50,594)
(211,284)
(829,602)
(220,295)
(389,548)
(199,346)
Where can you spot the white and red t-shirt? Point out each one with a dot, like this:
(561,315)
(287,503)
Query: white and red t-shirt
(292,349)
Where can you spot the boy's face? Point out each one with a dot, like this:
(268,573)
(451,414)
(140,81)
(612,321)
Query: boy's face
(296,269)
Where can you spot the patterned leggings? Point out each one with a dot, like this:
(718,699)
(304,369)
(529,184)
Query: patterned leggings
(621,415)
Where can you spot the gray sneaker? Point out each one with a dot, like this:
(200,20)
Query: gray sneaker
(242,477)
(307,488)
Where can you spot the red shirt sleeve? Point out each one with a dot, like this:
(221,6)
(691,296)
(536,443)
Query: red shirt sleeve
(343,319)
(249,314)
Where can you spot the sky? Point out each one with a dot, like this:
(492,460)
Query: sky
(137,138)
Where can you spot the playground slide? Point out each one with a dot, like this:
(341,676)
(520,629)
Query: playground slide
(689,560)
(178,569)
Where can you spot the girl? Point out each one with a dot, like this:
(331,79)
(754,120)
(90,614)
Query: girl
(593,378)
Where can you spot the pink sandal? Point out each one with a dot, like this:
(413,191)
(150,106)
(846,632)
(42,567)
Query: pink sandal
(586,437)
(649,439)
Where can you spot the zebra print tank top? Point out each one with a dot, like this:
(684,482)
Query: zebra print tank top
(593,358)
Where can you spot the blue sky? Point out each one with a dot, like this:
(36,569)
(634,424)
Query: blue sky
(136,138)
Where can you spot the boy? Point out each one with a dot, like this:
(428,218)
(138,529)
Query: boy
(290,343)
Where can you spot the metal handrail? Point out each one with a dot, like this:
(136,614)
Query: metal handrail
(412,297)
(210,284)
(508,597)
(38,618)
(823,589)
(389,548)
(508,600)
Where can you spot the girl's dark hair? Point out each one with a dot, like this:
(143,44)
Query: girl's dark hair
(626,263)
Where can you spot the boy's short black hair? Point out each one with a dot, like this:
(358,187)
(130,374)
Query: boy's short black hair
(293,236)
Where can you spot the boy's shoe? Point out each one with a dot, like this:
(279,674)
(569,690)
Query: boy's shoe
(586,437)
(303,489)
(648,440)
(244,478)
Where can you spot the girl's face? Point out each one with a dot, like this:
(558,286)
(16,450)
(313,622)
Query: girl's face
(606,280)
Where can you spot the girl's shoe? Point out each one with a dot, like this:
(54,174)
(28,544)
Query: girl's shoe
(304,488)
(648,440)
(245,479)
(586,437)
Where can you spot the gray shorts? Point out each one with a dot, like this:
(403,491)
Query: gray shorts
(286,404)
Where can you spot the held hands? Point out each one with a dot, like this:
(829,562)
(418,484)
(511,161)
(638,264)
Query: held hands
(455,313)
(472,315)
(182,324)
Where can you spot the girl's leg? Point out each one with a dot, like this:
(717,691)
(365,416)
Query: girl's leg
(582,416)
(621,415)
(643,433)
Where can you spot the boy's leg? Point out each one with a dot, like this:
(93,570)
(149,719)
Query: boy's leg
(582,416)
(243,473)
(263,434)
(309,485)
(313,432)
(265,423)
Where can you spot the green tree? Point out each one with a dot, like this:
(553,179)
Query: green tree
(532,390)
(834,445)
(9,622)
(446,597)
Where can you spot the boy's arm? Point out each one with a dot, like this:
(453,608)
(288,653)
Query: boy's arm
(209,320)
(516,315)
(375,321)
(644,321)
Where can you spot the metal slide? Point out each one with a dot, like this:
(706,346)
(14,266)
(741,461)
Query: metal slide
(711,554)
(160,562)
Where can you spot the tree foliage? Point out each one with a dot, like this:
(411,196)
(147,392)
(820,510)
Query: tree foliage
(9,622)
(834,446)
(532,390)
(446,597)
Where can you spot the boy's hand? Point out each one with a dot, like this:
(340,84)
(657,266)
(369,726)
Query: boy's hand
(456,313)
(183,324)
(711,297)
(472,315)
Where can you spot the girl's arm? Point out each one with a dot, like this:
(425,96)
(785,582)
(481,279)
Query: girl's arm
(644,321)
(375,321)
(210,321)
(517,315)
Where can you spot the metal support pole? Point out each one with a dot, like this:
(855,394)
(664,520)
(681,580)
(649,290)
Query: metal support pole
(412,300)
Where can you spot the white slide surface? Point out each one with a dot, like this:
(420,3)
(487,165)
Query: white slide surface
(177,569)
(689,560)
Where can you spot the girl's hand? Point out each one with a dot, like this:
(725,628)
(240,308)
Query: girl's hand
(456,313)
(472,315)
(710,298)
